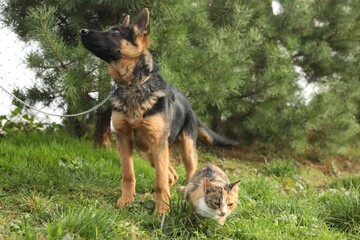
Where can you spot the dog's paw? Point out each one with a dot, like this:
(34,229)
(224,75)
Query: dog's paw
(173,176)
(172,180)
(122,201)
(161,208)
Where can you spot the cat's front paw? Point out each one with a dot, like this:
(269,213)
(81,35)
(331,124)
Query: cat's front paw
(221,220)
(181,189)
(122,201)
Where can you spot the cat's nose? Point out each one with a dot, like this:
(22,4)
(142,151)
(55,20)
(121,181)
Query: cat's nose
(221,214)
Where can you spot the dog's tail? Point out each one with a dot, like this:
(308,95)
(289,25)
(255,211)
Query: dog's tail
(212,138)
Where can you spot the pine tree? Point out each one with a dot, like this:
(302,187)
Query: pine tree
(238,78)
(237,61)
(322,37)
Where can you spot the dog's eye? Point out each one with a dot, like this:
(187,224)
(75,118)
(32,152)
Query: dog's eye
(115,31)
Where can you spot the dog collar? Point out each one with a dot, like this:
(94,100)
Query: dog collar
(139,82)
(144,80)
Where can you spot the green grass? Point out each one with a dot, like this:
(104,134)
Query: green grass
(342,205)
(53,186)
(280,168)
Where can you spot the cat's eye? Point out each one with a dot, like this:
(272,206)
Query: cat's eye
(230,204)
(216,204)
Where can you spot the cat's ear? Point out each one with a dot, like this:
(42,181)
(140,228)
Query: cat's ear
(233,184)
(207,184)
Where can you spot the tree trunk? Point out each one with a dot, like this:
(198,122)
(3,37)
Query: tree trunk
(75,127)
(215,119)
(102,136)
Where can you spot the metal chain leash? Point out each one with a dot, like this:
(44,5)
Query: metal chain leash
(114,88)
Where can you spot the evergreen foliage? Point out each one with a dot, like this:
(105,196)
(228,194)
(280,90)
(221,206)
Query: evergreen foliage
(236,60)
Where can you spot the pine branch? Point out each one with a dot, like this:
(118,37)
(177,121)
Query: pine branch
(51,44)
(257,91)
(43,20)
(212,58)
(286,18)
(53,67)
(204,63)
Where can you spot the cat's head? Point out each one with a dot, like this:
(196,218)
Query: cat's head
(221,197)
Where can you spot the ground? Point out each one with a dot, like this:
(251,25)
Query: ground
(53,186)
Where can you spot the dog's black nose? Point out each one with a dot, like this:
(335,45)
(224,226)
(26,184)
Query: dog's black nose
(84,31)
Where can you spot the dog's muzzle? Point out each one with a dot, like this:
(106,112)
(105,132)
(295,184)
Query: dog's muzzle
(84,31)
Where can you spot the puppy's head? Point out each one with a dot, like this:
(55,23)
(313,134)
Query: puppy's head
(119,42)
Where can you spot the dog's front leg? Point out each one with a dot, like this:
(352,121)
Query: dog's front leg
(125,149)
(162,191)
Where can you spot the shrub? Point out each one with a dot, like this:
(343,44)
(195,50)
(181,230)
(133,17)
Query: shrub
(341,210)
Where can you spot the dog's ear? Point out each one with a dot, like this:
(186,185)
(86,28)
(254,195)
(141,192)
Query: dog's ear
(126,21)
(142,23)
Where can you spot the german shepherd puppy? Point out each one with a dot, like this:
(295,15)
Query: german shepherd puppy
(148,113)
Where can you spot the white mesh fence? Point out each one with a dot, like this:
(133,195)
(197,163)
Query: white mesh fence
(14,74)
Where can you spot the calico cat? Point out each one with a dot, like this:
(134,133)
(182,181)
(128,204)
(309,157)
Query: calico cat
(211,194)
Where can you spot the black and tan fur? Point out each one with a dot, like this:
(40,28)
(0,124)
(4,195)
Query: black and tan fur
(148,113)
(211,194)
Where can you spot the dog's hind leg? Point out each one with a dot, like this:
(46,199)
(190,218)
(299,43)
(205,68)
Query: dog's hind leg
(125,149)
(173,176)
(187,146)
